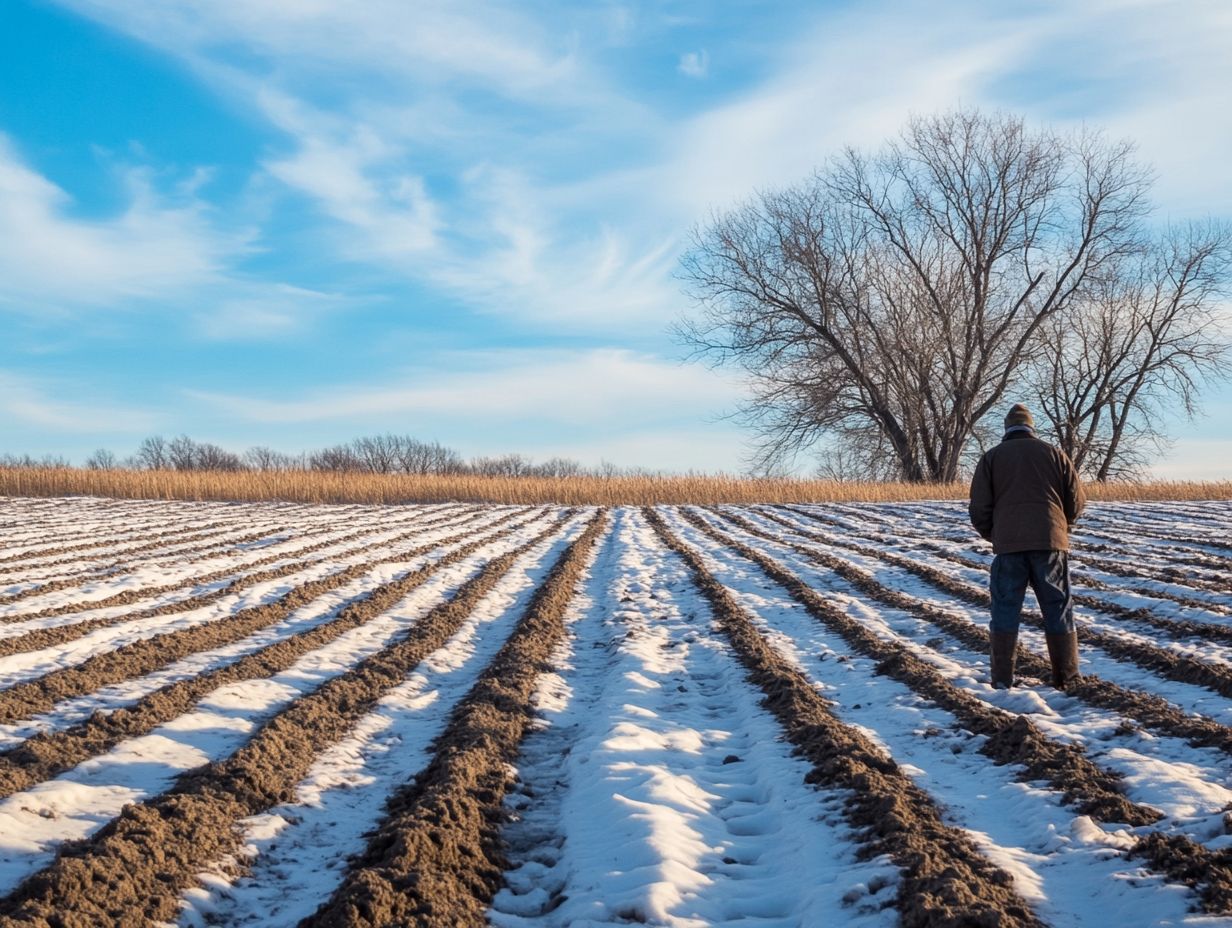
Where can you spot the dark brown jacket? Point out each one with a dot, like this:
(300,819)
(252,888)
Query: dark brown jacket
(1025,495)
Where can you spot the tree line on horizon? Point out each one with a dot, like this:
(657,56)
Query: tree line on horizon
(374,454)
(888,310)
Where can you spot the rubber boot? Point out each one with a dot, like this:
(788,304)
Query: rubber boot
(1063,653)
(1002,659)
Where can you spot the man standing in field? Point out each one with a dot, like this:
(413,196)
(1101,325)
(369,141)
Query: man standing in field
(1025,498)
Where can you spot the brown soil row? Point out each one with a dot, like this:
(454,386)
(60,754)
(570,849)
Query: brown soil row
(169,541)
(236,571)
(40,638)
(1185,556)
(1187,542)
(1012,739)
(1083,577)
(161,528)
(1136,571)
(148,654)
(1185,861)
(132,871)
(1152,712)
(1171,573)
(210,541)
(945,879)
(45,755)
(1179,628)
(1215,677)
(437,859)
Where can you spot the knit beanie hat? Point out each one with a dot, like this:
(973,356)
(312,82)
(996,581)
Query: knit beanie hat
(1019,415)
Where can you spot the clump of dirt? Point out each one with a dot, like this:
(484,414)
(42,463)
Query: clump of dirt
(1208,872)
(945,879)
(436,857)
(132,871)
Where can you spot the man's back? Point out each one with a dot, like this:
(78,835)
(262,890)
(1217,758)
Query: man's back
(1025,494)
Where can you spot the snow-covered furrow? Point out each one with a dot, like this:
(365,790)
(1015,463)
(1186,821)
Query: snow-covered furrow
(216,542)
(1189,697)
(656,789)
(1098,606)
(1150,636)
(142,583)
(1186,783)
(28,665)
(386,568)
(173,597)
(37,821)
(97,540)
(296,854)
(1062,863)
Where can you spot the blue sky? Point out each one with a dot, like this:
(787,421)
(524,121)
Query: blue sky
(292,222)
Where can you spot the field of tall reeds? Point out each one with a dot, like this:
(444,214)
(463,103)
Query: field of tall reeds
(697,489)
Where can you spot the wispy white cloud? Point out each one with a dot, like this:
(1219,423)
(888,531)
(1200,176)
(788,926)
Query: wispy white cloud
(592,387)
(25,401)
(50,258)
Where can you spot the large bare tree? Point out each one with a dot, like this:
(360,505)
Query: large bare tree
(1137,345)
(890,301)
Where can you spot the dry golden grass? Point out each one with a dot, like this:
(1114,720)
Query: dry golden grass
(313,487)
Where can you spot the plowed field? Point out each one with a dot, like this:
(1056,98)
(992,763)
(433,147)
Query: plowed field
(276,714)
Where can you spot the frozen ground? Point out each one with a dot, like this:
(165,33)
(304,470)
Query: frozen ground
(657,780)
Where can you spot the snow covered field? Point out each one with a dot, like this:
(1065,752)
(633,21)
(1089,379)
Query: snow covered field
(279,714)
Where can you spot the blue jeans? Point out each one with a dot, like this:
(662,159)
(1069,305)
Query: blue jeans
(1048,574)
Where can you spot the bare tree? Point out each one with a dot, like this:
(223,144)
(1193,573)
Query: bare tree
(207,456)
(152,454)
(262,458)
(182,453)
(507,465)
(1139,343)
(889,302)
(102,459)
(339,458)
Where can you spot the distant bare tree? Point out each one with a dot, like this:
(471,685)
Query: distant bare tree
(339,458)
(182,453)
(1136,345)
(888,303)
(208,456)
(267,459)
(558,467)
(102,459)
(152,454)
(507,465)
(420,457)
(378,454)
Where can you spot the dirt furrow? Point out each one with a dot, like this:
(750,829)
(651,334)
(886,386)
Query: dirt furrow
(146,655)
(436,858)
(58,580)
(1215,677)
(1083,578)
(1179,627)
(39,638)
(113,557)
(1011,739)
(945,879)
(1136,570)
(45,755)
(242,576)
(132,870)
(130,533)
(1152,712)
